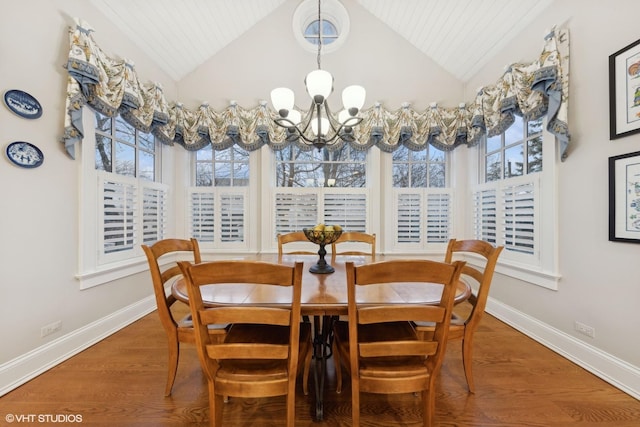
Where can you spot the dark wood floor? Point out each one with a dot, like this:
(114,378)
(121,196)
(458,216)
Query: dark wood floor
(120,382)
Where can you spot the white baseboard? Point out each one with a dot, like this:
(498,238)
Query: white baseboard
(29,365)
(617,372)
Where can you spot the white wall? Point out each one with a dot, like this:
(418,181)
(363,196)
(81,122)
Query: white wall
(267,56)
(600,283)
(39,207)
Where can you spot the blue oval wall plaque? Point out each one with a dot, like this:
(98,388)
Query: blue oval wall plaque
(24,154)
(22,104)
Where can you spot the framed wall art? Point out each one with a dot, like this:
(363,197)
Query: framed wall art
(624,198)
(624,91)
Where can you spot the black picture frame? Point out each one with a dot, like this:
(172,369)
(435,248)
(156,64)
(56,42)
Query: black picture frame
(624,198)
(624,91)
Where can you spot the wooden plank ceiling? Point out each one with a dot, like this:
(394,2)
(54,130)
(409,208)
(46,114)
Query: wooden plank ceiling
(460,35)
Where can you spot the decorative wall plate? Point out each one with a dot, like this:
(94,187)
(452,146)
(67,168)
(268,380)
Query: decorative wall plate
(24,154)
(22,104)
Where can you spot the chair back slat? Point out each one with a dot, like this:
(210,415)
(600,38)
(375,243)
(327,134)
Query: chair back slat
(247,315)
(355,237)
(399,348)
(381,314)
(293,237)
(248,351)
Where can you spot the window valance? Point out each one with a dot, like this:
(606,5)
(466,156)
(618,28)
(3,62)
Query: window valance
(111,86)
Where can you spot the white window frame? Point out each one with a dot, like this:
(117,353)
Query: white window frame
(95,267)
(269,192)
(250,196)
(422,195)
(541,267)
(333,11)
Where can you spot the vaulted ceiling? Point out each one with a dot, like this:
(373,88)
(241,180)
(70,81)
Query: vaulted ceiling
(459,35)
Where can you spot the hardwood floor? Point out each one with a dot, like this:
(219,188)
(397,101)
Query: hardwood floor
(120,382)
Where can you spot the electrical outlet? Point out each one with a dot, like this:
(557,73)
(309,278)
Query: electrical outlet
(585,329)
(50,328)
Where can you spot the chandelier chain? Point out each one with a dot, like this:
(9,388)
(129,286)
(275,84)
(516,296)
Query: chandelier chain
(319,34)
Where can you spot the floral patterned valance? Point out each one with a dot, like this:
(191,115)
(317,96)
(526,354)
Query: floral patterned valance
(111,86)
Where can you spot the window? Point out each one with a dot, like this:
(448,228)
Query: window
(320,186)
(344,167)
(124,204)
(132,210)
(335,25)
(515,152)
(422,201)
(123,150)
(509,206)
(313,35)
(218,213)
(419,169)
(223,168)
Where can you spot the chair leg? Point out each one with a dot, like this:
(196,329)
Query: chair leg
(338,365)
(467,362)
(216,403)
(174,354)
(355,403)
(305,373)
(428,405)
(291,405)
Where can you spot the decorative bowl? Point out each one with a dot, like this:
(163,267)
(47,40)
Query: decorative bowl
(321,238)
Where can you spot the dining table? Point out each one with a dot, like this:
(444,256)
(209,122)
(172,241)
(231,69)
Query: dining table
(324,297)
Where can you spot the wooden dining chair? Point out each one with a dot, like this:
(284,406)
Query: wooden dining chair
(181,330)
(464,327)
(365,240)
(262,352)
(357,237)
(294,237)
(385,353)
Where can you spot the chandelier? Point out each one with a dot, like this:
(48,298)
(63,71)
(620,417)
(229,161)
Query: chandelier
(319,127)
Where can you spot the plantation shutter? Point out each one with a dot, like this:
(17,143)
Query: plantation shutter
(295,211)
(202,204)
(232,217)
(409,218)
(118,212)
(347,210)
(439,217)
(485,215)
(154,214)
(518,217)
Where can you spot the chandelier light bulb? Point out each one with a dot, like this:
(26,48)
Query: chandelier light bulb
(319,84)
(295,116)
(353,97)
(324,126)
(282,98)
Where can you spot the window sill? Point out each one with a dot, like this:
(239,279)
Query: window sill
(109,273)
(526,273)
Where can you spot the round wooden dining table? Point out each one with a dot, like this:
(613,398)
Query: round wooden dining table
(324,296)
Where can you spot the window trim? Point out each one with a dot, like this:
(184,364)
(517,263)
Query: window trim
(333,11)
(93,269)
(545,271)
